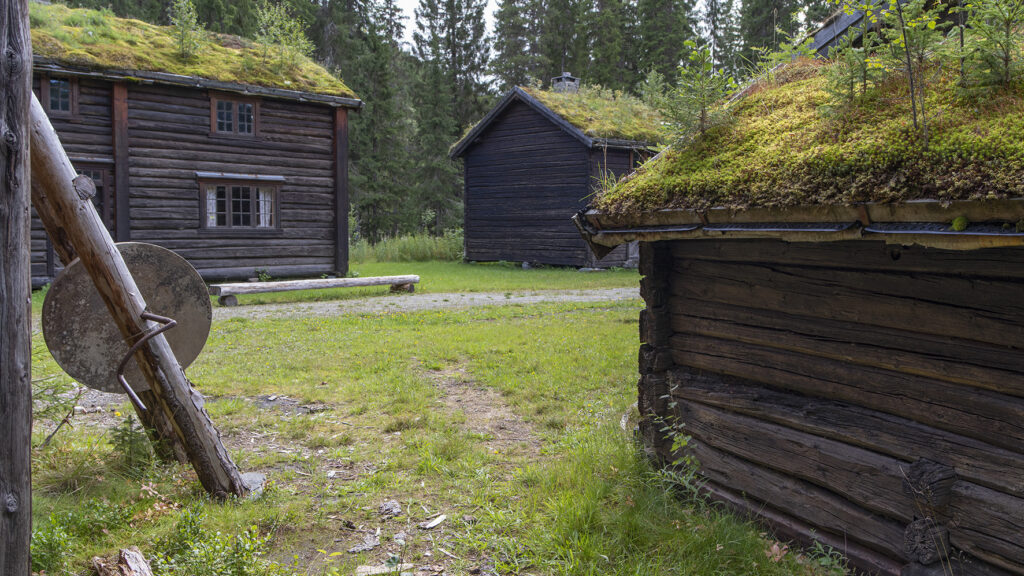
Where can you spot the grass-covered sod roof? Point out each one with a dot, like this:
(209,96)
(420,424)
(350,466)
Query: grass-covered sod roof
(98,40)
(783,149)
(603,113)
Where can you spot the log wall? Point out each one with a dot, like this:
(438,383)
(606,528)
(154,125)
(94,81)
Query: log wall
(524,180)
(166,139)
(873,394)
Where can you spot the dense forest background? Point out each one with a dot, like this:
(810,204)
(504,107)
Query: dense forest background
(421,97)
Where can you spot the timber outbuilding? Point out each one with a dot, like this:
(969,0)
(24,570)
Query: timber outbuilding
(536,159)
(234,158)
(834,327)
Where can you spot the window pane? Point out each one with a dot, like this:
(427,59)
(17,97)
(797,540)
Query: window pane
(222,206)
(245,118)
(60,94)
(225,117)
(241,206)
(265,208)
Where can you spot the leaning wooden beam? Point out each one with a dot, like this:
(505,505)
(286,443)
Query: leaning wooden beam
(63,202)
(15,278)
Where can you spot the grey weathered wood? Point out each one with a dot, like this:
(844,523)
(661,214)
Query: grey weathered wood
(67,212)
(129,562)
(15,277)
(311,284)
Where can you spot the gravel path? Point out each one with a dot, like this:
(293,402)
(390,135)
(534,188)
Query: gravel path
(413,302)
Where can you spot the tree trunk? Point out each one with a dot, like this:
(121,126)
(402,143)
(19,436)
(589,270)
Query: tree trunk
(63,202)
(15,281)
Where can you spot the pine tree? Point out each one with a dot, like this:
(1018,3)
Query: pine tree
(720,27)
(662,26)
(563,42)
(611,29)
(517,59)
(765,23)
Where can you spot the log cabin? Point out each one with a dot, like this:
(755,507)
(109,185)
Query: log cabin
(535,159)
(236,159)
(834,333)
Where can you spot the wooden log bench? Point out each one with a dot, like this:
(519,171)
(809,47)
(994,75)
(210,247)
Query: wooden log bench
(226,293)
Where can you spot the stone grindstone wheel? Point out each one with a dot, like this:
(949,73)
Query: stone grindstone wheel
(83,337)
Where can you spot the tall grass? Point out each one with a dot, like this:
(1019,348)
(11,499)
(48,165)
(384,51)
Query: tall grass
(410,248)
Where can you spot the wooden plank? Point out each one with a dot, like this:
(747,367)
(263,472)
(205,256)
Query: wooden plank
(122,193)
(15,312)
(836,466)
(982,310)
(861,255)
(312,284)
(989,525)
(987,416)
(341,202)
(947,359)
(804,501)
(892,435)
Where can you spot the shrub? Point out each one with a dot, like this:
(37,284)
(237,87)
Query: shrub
(410,248)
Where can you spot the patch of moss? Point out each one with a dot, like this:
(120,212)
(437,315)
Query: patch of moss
(784,150)
(98,40)
(603,113)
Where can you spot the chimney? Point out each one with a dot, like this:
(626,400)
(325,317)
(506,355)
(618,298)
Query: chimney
(565,83)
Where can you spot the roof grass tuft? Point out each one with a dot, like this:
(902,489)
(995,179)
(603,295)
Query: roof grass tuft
(604,113)
(99,40)
(785,148)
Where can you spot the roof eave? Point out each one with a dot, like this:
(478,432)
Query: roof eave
(870,221)
(151,77)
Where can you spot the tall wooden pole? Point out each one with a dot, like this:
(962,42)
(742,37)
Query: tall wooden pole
(63,201)
(15,281)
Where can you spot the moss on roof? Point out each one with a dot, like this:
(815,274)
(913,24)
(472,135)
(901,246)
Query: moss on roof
(782,150)
(604,113)
(98,40)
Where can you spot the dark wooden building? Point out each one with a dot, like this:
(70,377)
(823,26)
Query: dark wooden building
(529,168)
(844,354)
(233,176)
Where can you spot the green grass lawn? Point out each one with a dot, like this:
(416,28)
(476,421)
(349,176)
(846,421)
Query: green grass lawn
(406,407)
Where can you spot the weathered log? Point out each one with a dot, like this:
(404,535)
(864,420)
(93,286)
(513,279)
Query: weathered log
(802,500)
(931,485)
(989,525)
(64,206)
(15,277)
(313,284)
(926,542)
(982,414)
(974,460)
(129,562)
(841,468)
(787,527)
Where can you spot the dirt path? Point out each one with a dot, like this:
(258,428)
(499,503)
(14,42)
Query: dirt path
(413,302)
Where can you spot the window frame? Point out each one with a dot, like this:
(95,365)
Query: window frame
(235,100)
(105,192)
(255,183)
(44,96)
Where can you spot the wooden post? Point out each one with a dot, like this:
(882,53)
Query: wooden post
(341,200)
(15,282)
(63,202)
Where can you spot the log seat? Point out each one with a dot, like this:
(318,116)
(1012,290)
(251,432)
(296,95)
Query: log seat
(226,293)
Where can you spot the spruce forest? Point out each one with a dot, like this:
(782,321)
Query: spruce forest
(421,96)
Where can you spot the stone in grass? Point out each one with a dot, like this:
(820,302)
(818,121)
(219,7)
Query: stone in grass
(374,570)
(370,541)
(433,523)
(390,509)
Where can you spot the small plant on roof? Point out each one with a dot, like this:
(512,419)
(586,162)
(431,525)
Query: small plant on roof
(694,106)
(993,43)
(182,14)
(856,65)
(279,31)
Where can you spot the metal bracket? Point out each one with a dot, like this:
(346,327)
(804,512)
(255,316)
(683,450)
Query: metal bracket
(165,325)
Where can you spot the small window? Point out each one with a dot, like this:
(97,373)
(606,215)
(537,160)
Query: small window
(233,116)
(59,96)
(239,206)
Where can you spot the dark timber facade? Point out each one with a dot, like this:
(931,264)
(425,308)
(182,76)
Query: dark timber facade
(527,171)
(234,178)
(848,375)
